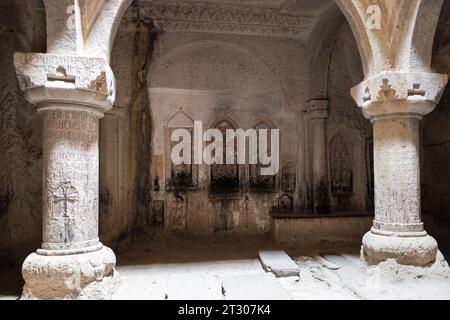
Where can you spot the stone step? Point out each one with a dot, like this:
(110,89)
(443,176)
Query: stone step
(254,287)
(279,263)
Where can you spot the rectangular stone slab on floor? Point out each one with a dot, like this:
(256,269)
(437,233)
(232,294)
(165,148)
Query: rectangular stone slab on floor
(279,263)
(254,287)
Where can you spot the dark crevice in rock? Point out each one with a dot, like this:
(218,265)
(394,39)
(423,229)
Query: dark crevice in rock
(140,124)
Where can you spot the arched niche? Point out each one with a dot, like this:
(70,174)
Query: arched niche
(258,182)
(182,177)
(349,170)
(224,178)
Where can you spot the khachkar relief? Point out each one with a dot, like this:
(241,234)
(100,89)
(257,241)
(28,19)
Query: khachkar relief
(284,205)
(260,182)
(216,18)
(288,178)
(179,177)
(177,212)
(156,218)
(341,165)
(225,178)
(71,178)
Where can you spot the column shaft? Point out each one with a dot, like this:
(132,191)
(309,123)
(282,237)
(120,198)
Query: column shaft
(71,170)
(397,177)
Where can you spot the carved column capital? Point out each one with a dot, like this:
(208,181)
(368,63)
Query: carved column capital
(82,82)
(392,94)
(319,109)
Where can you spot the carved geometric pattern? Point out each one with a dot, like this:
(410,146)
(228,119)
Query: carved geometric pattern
(222,18)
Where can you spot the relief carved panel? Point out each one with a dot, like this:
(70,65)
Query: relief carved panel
(225,178)
(341,165)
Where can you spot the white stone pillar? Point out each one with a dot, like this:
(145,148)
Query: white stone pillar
(395,103)
(318,115)
(71,94)
(70,171)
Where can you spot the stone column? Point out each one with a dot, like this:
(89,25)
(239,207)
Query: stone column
(319,112)
(71,94)
(395,103)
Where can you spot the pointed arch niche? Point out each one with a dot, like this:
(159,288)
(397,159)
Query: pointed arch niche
(258,182)
(183,177)
(224,178)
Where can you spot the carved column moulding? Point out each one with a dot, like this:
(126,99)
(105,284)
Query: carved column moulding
(71,94)
(318,115)
(395,102)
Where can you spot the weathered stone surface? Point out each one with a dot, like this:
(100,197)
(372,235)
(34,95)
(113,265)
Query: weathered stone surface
(278,263)
(89,276)
(252,64)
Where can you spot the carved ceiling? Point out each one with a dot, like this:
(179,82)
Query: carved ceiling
(270,18)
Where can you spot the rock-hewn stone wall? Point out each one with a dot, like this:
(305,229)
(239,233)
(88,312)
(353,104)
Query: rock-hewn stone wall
(22,28)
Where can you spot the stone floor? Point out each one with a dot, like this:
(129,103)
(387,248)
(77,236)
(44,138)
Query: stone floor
(224,268)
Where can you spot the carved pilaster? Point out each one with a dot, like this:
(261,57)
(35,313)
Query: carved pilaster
(318,115)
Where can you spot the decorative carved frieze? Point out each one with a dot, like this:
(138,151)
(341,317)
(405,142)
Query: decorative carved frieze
(236,18)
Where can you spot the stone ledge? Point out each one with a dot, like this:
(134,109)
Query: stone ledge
(315,230)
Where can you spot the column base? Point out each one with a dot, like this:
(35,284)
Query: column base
(89,276)
(410,251)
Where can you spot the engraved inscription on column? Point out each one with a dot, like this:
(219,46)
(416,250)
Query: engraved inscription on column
(71,176)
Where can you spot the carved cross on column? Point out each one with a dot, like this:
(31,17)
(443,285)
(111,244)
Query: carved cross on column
(66,193)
